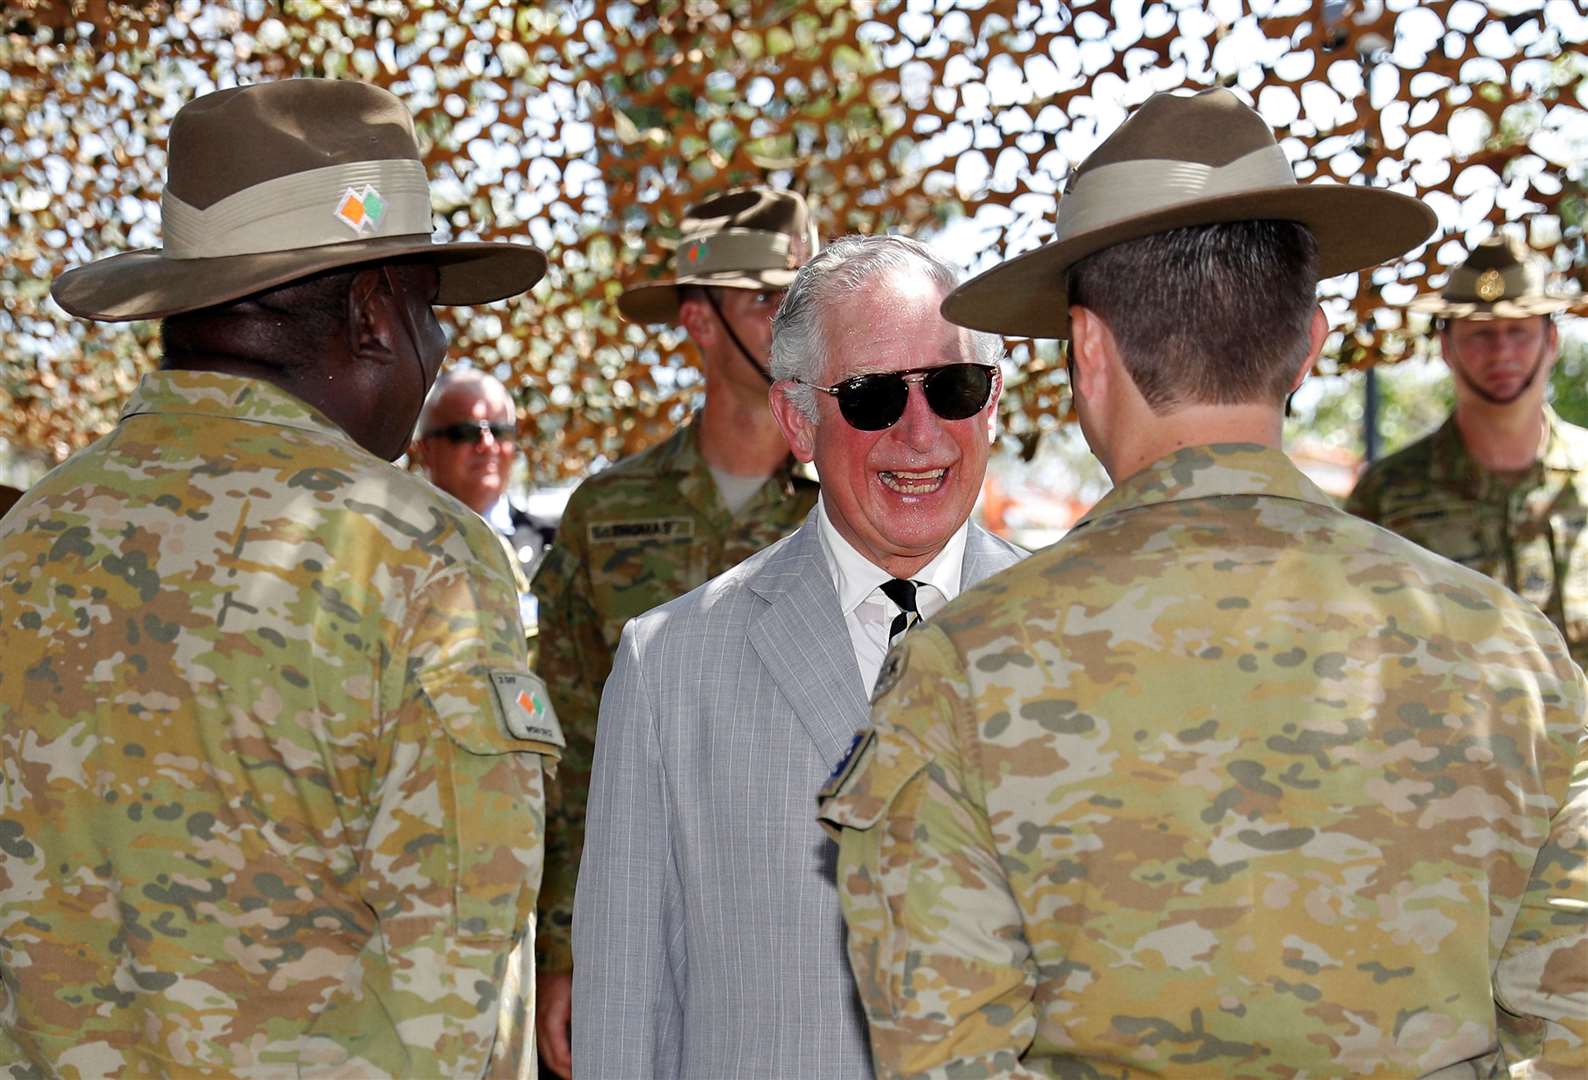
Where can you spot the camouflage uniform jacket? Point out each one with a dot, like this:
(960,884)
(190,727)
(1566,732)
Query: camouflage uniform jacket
(633,537)
(271,799)
(1528,531)
(1225,783)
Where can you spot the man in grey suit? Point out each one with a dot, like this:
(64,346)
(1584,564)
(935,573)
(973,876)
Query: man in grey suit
(707,937)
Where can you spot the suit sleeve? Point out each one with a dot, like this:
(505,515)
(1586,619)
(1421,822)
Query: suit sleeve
(1541,980)
(936,940)
(573,660)
(626,1008)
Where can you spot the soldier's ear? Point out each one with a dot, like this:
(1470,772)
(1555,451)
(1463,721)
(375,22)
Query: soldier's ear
(1092,351)
(697,321)
(1317,334)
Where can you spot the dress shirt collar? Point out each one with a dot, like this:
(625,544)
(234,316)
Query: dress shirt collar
(500,515)
(856,577)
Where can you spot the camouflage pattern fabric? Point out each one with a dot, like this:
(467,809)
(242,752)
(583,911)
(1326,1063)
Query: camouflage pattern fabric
(633,537)
(271,797)
(1227,783)
(1528,531)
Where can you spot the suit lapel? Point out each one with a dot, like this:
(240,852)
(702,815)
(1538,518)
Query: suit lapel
(985,555)
(804,644)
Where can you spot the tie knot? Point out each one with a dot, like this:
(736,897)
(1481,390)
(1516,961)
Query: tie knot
(902,592)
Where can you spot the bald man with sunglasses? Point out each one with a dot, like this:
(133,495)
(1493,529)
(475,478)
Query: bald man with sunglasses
(707,932)
(468,438)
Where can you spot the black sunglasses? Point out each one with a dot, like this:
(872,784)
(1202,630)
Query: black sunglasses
(472,432)
(874,402)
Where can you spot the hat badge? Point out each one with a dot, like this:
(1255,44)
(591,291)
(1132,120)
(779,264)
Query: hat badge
(693,252)
(1491,286)
(361,211)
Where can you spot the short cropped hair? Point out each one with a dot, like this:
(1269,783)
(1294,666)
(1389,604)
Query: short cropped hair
(799,334)
(1207,314)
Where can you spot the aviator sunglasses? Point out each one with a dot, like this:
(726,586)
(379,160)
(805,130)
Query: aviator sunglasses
(472,432)
(876,401)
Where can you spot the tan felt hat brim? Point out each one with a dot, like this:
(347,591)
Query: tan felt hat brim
(657,302)
(1521,307)
(1355,227)
(147,285)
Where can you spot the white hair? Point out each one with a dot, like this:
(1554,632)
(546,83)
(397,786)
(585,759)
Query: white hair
(464,378)
(799,341)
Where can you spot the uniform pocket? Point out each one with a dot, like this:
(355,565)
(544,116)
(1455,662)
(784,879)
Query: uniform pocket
(494,795)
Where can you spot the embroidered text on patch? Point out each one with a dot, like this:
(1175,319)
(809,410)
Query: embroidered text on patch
(654,529)
(525,708)
(361,211)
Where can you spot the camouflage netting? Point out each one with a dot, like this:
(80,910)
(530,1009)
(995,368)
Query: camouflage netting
(586,127)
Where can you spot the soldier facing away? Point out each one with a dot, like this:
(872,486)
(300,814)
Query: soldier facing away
(1227,782)
(1502,485)
(657,524)
(272,794)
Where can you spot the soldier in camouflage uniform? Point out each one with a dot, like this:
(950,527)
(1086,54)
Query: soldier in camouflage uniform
(1227,782)
(657,524)
(273,760)
(1502,485)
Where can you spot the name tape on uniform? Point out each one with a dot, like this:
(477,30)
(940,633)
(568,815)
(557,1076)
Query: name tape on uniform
(649,529)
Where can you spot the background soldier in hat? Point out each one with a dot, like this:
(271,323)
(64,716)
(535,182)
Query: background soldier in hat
(1227,782)
(657,524)
(1502,486)
(274,759)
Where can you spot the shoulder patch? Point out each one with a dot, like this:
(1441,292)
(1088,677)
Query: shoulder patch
(892,671)
(649,529)
(526,707)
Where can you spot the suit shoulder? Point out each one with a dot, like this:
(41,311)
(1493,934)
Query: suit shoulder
(712,599)
(1002,549)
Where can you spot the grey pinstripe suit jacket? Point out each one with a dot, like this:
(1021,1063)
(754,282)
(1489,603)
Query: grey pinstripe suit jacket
(708,943)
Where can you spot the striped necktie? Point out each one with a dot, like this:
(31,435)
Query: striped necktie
(902,592)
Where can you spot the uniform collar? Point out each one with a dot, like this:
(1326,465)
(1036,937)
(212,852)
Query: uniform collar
(1564,450)
(236,397)
(1207,472)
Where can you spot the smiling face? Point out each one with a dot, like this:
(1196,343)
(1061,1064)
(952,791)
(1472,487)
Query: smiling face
(474,470)
(898,494)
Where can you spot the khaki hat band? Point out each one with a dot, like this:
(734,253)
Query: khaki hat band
(734,250)
(1467,284)
(1126,189)
(336,204)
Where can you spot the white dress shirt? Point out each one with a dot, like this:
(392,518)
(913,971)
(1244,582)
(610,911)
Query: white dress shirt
(868,614)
